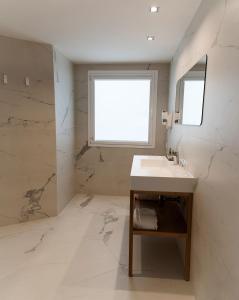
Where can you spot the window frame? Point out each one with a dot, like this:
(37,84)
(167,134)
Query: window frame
(152,75)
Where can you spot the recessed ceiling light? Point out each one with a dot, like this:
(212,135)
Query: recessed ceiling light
(150,38)
(154,9)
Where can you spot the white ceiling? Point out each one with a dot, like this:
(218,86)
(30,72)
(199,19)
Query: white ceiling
(100,30)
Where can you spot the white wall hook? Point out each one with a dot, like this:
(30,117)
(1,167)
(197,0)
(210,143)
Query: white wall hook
(5,80)
(27,81)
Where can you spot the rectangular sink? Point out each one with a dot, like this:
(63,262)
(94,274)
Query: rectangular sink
(156,173)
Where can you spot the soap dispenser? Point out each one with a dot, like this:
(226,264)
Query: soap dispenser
(167,119)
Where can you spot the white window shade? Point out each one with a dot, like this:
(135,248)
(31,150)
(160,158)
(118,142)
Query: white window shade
(122,108)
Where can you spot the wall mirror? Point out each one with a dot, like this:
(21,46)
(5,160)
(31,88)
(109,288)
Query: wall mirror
(190,92)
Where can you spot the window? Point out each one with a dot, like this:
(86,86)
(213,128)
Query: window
(122,108)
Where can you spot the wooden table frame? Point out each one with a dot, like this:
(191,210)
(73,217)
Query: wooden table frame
(188,197)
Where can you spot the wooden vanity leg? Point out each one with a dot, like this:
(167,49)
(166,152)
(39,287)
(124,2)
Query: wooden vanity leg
(188,239)
(131,233)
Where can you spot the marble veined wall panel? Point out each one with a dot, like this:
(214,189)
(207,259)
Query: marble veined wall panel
(27,132)
(107,170)
(212,150)
(65,136)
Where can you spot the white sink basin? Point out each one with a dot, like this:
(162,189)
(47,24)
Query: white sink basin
(153,163)
(156,173)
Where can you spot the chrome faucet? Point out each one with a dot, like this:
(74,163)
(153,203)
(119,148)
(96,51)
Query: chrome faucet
(173,155)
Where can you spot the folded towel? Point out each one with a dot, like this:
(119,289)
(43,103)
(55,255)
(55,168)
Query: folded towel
(145,218)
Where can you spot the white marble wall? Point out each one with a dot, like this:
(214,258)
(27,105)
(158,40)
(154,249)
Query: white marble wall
(106,170)
(27,132)
(65,139)
(212,150)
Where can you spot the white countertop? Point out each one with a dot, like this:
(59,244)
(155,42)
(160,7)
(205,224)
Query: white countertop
(157,173)
(157,166)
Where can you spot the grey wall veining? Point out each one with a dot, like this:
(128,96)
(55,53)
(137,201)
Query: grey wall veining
(65,144)
(106,170)
(212,150)
(27,132)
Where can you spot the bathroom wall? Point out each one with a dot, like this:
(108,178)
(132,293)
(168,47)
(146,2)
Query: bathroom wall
(27,132)
(65,145)
(212,150)
(106,170)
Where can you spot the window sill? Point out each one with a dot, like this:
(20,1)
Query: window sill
(120,145)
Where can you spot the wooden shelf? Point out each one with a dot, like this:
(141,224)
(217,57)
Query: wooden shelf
(174,220)
(159,233)
(171,222)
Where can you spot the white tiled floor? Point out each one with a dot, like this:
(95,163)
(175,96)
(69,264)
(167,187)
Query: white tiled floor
(82,254)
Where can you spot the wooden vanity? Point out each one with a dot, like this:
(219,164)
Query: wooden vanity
(174,212)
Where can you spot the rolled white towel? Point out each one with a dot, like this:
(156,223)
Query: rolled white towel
(145,218)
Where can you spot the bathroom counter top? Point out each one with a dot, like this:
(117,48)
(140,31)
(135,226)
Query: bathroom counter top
(156,173)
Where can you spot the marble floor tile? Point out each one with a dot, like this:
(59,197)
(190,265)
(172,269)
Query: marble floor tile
(83,253)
